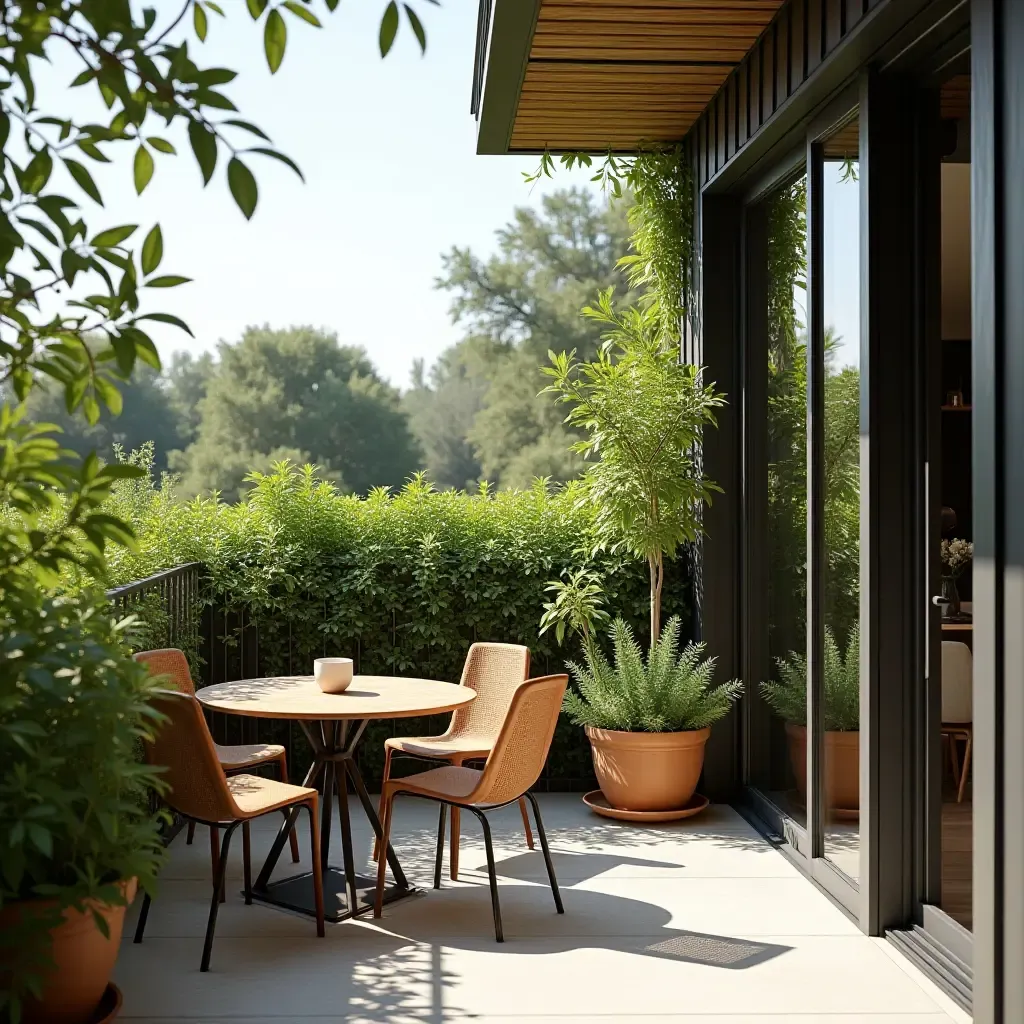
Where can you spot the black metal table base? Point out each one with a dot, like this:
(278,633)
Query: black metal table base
(296,894)
(333,770)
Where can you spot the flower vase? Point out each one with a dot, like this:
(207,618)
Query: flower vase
(951,597)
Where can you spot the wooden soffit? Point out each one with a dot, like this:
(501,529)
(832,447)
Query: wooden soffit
(608,74)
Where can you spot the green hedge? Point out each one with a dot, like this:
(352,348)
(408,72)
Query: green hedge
(403,583)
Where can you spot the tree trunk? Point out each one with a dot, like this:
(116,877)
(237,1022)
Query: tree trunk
(656,564)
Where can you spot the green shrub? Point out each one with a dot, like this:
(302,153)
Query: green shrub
(73,797)
(788,695)
(671,692)
(403,583)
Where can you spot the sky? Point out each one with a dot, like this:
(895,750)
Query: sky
(392,181)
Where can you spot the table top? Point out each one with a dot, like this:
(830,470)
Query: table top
(958,625)
(298,697)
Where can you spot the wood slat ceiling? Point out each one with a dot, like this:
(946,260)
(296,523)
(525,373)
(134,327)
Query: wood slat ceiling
(617,74)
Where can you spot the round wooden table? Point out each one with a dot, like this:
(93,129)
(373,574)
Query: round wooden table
(334,724)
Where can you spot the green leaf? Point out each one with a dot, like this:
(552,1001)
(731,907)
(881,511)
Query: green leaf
(216,8)
(37,173)
(143,168)
(302,12)
(168,318)
(275,38)
(279,156)
(417,27)
(204,146)
(113,236)
(124,352)
(152,250)
(388,28)
(199,20)
(256,8)
(167,281)
(254,129)
(161,145)
(243,186)
(109,395)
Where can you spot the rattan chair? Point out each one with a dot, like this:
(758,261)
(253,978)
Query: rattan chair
(494,671)
(172,666)
(515,764)
(200,791)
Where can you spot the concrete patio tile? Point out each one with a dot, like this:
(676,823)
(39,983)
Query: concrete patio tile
(680,924)
(389,979)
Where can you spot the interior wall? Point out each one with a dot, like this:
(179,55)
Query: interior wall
(956,251)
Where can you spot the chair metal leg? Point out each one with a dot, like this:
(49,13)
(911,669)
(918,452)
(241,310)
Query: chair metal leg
(967,765)
(191,834)
(439,855)
(526,822)
(293,839)
(453,857)
(140,927)
(492,874)
(380,807)
(215,856)
(215,901)
(318,876)
(247,863)
(547,853)
(382,862)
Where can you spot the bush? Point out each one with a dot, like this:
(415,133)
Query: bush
(403,583)
(671,692)
(73,796)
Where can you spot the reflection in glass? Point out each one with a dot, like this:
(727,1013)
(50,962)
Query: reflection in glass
(841,288)
(781,771)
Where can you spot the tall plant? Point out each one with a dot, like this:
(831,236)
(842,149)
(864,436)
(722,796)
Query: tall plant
(643,413)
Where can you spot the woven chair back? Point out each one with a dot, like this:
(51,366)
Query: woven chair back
(494,671)
(523,742)
(171,663)
(182,745)
(957,683)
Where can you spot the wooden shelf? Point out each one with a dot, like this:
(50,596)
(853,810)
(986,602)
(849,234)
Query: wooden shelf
(957,408)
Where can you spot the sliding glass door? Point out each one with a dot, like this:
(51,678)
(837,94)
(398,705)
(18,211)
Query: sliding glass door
(801,505)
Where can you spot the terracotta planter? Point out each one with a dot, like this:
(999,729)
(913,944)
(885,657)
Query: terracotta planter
(842,766)
(647,771)
(83,961)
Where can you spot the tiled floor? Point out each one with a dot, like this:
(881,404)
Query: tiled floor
(699,922)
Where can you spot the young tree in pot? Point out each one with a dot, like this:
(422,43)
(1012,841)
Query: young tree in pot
(788,698)
(643,413)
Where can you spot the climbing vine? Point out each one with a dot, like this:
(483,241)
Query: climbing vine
(661,217)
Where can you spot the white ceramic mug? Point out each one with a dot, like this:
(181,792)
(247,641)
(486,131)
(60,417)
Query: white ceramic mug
(333,675)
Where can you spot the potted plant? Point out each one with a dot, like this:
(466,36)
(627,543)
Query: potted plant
(788,698)
(74,814)
(642,414)
(956,556)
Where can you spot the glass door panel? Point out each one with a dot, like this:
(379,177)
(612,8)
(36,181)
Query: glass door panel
(840,471)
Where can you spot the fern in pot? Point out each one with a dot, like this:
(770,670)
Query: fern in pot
(642,414)
(787,696)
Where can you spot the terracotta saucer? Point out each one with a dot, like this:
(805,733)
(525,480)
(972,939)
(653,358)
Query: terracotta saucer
(596,801)
(110,1006)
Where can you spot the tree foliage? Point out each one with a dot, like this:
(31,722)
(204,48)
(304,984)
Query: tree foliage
(642,413)
(515,306)
(297,394)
